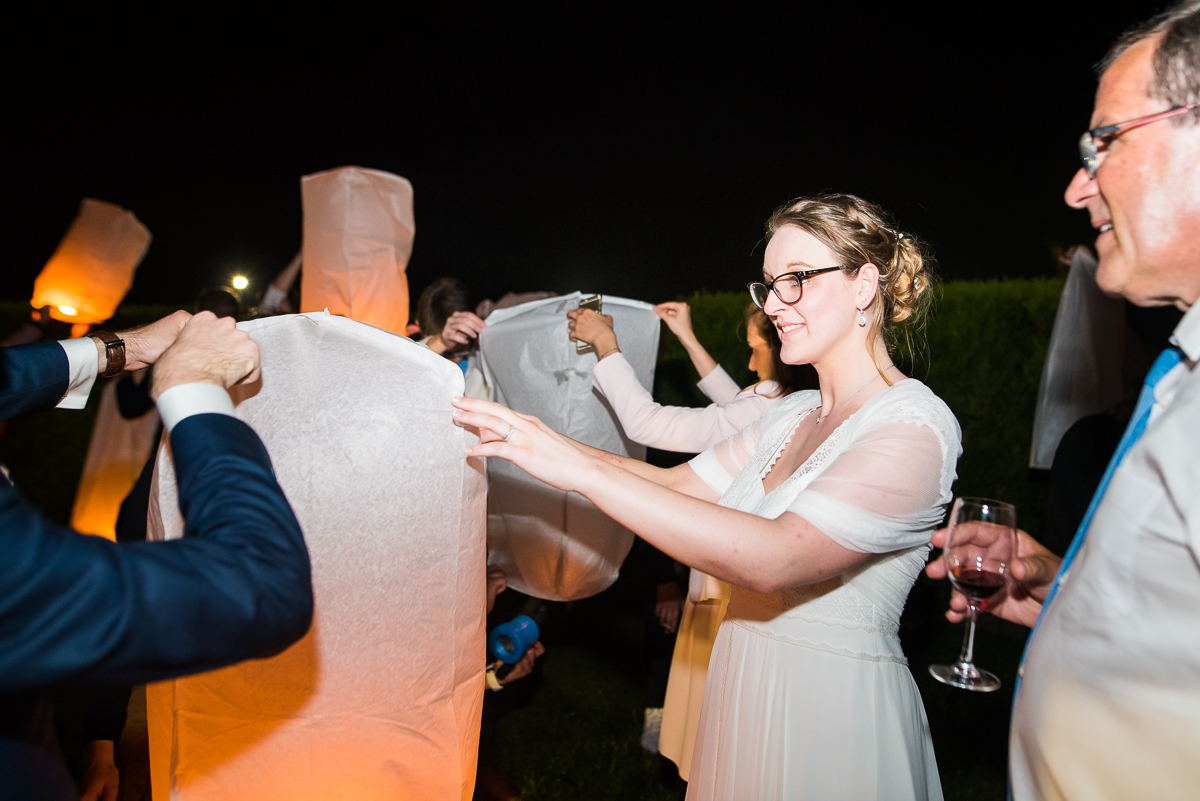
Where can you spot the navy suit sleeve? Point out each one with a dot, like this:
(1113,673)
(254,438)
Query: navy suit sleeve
(80,612)
(32,378)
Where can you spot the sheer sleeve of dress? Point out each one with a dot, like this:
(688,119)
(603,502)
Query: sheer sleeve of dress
(720,464)
(887,490)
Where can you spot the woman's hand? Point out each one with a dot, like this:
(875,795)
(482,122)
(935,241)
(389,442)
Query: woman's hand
(593,328)
(525,441)
(678,317)
(1032,572)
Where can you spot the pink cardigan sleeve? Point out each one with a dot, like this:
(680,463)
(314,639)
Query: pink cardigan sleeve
(718,387)
(672,428)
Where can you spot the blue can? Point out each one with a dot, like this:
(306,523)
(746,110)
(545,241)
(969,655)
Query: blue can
(509,641)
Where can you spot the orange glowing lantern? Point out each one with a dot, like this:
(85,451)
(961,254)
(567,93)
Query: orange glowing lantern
(115,457)
(358,235)
(93,267)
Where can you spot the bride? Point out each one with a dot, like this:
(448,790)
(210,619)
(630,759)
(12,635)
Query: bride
(819,515)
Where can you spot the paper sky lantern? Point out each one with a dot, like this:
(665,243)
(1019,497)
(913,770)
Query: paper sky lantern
(1082,372)
(552,544)
(382,698)
(93,267)
(358,235)
(116,455)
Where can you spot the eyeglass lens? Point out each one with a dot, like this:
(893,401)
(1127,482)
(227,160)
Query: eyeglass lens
(1088,153)
(789,288)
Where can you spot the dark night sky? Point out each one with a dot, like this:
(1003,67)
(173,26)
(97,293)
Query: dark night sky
(632,154)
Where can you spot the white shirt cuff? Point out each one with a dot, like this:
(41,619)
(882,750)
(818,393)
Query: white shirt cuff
(185,400)
(84,365)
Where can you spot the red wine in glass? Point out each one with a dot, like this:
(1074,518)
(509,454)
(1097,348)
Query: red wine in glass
(975,583)
(980,541)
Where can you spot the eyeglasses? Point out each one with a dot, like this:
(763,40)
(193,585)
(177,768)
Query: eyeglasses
(1088,143)
(788,287)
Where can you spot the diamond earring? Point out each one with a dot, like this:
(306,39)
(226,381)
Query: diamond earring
(862,319)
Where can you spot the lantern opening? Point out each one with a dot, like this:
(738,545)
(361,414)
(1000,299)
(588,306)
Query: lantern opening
(70,311)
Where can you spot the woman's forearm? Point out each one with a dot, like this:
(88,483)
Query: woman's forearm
(703,363)
(662,476)
(737,547)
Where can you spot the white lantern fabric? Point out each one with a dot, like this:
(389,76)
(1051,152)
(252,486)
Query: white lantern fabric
(1082,373)
(358,235)
(116,455)
(555,545)
(92,269)
(382,698)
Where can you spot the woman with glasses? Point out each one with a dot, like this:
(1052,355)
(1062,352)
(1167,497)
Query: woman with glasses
(819,515)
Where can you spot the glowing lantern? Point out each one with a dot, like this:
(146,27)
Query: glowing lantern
(358,235)
(115,457)
(93,267)
(552,544)
(382,698)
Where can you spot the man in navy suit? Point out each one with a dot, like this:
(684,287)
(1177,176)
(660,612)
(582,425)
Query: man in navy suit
(79,612)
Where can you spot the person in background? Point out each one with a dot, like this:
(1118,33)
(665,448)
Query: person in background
(277,298)
(80,612)
(1108,704)
(447,325)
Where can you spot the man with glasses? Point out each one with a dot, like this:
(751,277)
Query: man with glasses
(1108,704)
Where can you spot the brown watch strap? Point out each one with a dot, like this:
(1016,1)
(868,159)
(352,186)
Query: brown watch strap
(114,350)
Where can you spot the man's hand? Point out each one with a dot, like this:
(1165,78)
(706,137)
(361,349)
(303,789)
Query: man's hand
(524,666)
(586,325)
(678,317)
(145,344)
(461,329)
(100,777)
(208,350)
(1030,575)
(497,582)
(668,605)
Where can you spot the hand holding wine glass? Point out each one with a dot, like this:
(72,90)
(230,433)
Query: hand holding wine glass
(980,544)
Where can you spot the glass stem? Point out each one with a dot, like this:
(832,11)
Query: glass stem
(968,647)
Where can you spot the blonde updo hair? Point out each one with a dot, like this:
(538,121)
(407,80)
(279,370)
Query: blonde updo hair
(859,233)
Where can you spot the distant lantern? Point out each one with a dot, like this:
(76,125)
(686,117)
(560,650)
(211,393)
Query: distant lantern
(93,267)
(358,235)
(240,282)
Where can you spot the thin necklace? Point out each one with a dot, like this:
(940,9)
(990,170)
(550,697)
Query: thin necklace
(852,397)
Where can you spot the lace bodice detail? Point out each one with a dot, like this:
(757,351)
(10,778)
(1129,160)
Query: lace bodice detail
(878,484)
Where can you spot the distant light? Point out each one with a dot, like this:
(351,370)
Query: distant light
(240,282)
(70,311)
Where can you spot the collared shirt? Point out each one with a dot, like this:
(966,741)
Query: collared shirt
(178,402)
(1110,699)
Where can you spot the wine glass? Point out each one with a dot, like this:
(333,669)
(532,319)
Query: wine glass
(980,543)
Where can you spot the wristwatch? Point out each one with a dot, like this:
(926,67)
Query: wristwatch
(114,352)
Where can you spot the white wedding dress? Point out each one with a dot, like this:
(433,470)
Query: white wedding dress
(809,694)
